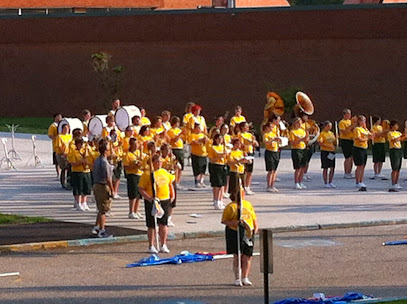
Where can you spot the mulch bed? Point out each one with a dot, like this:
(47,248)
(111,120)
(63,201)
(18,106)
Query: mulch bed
(54,231)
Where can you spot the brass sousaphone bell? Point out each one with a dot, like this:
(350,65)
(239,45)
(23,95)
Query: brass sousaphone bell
(276,104)
(304,104)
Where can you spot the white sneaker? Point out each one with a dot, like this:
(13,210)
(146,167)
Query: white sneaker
(298,186)
(86,207)
(198,185)
(178,187)
(398,186)
(248,191)
(327,186)
(221,205)
(303,186)
(226,195)
(152,250)
(170,223)
(238,283)
(140,216)
(203,185)
(272,189)
(95,230)
(362,184)
(307,178)
(358,185)
(164,249)
(278,179)
(332,185)
(133,215)
(348,176)
(246,282)
(80,207)
(116,196)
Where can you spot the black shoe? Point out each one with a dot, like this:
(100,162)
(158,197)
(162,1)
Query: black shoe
(393,190)
(363,189)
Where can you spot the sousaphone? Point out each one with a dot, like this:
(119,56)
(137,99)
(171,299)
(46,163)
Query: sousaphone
(304,104)
(275,104)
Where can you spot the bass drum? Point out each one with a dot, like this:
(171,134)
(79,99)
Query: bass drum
(96,125)
(73,123)
(124,115)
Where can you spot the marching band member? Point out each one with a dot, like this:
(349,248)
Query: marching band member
(132,163)
(216,128)
(198,141)
(128,134)
(249,142)
(197,118)
(157,131)
(298,139)
(217,155)
(144,137)
(86,115)
(115,156)
(188,113)
(346,127)
(175,136)
(62,148)
(81,180)
(238,118)
(169,163)
(115,106)
(236,162)
(166,119)
(145,121)
(396,154)
(361,136)
(327,143)
(227,139)
(271,139)
(136,124)
(378,147)
(53,134)
(186,129)
(164,194)
(312,129)
(111,125)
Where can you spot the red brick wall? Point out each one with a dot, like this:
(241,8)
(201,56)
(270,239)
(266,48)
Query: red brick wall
(342,58)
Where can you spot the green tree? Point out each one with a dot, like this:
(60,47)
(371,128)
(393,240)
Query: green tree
(288,96)
(110,78)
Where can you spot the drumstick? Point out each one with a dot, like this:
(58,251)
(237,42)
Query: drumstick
(371,128)
(337,133)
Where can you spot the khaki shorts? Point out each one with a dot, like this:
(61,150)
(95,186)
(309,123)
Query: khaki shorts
(62,162)
(103,197)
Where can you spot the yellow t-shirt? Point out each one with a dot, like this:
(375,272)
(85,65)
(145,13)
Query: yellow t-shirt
(77,156)
(273,146)
(236,155)
(136,130)
(53,131)
(157,131)
(246,213)
(163,179)
(344,124)
(145,121)
(228,139)
(247,139)
(360,133)
(186,118)
(85,131)
(235,120)
(198,149)
(393,135)
(63,141)
(126,143)
(197,119)
(378,139)
(92,156)
(144,140)
(328,139)
(214,152)
(175,143)
(131,158)
(294,135)
(106,132)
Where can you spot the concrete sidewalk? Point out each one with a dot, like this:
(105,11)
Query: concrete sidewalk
(36,192)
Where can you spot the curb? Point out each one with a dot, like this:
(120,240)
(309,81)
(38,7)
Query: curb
(187,235)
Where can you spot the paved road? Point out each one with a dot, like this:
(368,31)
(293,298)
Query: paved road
(331,261)
(35,191)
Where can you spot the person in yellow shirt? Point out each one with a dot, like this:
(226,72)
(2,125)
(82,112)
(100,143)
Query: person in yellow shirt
(224,132)
(145,121)
(164,194)
(186,130)
(198,141)
(298,138)
(111,125)
(53,133)
(236,162)
(272,141)
(216,128)
(132,163)
(197,118)
(170,163)
(396,154)
(136,125)
(240,215)
(81,180)
(327,143)
(311,127)
(166,119)
(144,137)
(175,137)
(128,134)
(62,148)
(378,147)
(249,143)
(157,131)
(238,118)
(115,157)
(361,136)
(217,155)
(346,127)
(86,115)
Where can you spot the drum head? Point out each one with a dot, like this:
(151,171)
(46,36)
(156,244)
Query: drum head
(96,125)
(124,115)
(74,123)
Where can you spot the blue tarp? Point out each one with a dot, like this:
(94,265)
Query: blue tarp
(178,259)
(348,297)
(403,242)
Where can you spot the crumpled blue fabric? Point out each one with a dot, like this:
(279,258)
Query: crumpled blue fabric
(186,257)
(348,297)
(403,242)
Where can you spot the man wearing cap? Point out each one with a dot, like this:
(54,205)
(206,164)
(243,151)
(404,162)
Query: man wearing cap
(197,119)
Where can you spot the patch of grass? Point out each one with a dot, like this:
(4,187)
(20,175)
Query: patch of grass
(8,219)
(33,125)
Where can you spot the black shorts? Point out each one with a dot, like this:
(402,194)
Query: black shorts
(54,158)
(299,158)
(272,160)
(310,151)
(179,155)
(217,175)
(81,183)
(174,202)
(132,186)
(148,206)
(396,158)
(359,156)
(347,147)
(246,245)
(405,149)
(249,167)
(199,164)
(117,171)
(379,152)
(325,161)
